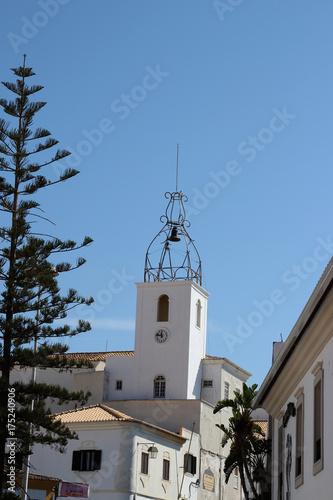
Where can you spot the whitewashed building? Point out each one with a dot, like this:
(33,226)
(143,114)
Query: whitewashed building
(297,393)
(123,458)
(167,386)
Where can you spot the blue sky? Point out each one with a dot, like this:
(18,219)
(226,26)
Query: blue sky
(245,88)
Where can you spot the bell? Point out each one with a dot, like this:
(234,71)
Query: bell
(174,234)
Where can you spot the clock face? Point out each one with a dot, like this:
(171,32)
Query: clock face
(161,335)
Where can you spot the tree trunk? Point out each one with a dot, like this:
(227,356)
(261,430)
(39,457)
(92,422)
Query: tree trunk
(249,476)
(243,482)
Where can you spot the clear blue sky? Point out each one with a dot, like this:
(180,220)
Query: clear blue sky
(245,88)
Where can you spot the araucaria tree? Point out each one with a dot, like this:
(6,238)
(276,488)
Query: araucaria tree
(30,299)
(249,447)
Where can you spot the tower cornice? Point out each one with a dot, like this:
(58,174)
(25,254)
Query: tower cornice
(173,284)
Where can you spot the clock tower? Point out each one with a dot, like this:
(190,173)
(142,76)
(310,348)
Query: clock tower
(171,314)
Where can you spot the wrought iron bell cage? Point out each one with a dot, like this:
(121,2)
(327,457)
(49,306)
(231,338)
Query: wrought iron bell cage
(172,254)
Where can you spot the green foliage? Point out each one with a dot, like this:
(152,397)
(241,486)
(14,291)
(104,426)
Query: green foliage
(248,446)
(8,495)
(30,300)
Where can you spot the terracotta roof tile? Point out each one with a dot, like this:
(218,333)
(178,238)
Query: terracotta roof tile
(95,356)
(94,413)
(102,413)
(263,424)
(40,477)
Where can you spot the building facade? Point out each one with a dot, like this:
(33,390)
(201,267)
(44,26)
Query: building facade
(297,393)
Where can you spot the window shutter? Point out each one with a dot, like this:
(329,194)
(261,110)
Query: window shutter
(166,470)
(194,465)
(144,462)
(76,460)
(97,459)
(190,463)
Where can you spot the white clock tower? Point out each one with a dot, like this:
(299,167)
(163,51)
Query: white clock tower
(171,314)
(171,318)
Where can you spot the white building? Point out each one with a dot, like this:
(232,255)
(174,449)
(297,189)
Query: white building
(123,458)
(168,386)
(297,393)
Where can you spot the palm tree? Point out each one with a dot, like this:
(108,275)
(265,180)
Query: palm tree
(248,447)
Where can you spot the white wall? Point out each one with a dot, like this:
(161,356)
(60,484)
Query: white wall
(120,368)
(75,379)
(320,485)
(220,371)
(116,458)
(168,414)
(120,474)
(178,359)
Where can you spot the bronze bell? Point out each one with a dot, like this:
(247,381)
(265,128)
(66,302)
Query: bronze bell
(174,234)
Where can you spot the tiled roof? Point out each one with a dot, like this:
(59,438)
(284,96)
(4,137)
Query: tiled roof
(94,413)
(101,413)
(39,477)
(95,356)
(263,424)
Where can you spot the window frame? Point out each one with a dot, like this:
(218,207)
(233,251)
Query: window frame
(163,308)
(318,418)
(86,460)
(281,460)
(144,468)
(207,383)
(299,433)
(159,387)
(226,390)
(190,464)
(119,385)
(166,469)
(198,314)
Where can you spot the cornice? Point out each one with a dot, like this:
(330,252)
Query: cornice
(301,360)
(313,310)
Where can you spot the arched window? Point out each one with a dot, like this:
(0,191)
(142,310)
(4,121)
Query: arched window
(159,386)
(198,323)
(163,308)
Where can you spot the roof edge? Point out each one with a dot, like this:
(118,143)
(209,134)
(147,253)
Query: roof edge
(306,317)
(131,420)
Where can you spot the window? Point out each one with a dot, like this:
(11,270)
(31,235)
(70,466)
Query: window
(207,383)
(198,322)
(190,463)
(163,308)
(318,455)
(299,461)
(86,460)
(280,461)
(166,469)
(144,462)
(119,385)
(236,478)
(159,386)
(226,390)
